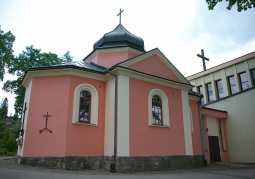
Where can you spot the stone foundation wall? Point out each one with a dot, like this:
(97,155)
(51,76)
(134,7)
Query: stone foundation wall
(123,164)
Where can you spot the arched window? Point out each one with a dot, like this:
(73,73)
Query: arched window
(157,110)
(85,105)
(85,108)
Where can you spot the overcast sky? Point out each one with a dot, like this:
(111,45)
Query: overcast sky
(180,29)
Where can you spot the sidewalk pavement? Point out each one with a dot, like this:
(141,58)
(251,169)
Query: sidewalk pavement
(6,157)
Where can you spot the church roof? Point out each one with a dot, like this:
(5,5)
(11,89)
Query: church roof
(80,65)
(120,37)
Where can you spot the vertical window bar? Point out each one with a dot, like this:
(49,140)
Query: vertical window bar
(253,76)
(85,103)
(210,92)
(232,84)
(201,91)
(157,110)
(244,81)
(220,92)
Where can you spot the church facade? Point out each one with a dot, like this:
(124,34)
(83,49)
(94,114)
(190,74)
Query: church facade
(122,108)
(230,87)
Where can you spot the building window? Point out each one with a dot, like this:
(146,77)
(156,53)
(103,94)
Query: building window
(232,84)
(201,91)
(209,92)
(253,76)
(244,81)
(85,103)
(85,108)
(158,109)
(220,92)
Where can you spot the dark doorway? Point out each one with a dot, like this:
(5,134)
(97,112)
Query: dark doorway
(214,148)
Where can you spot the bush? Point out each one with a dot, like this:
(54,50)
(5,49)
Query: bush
(8,145)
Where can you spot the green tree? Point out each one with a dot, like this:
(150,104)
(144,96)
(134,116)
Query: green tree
(4,109)
(6,52)
(3,115)
(66,58)
(8,144)
(241,4)
(32,57)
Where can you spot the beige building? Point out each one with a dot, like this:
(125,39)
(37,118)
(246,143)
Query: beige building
(230,87)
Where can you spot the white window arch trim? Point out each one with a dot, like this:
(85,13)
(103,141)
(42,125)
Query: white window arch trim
(94,104)
(165,107)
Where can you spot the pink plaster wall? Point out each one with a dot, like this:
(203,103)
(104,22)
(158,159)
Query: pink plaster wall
(85,140)
(154,141)
(155,66)
(224,153)
(207,150)
(55,95)
(48,94)
(109,59)
(214,113)
(196,135)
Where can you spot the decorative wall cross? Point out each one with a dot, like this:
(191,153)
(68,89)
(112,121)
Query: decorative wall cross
(120,14)
(45,128)
(203,58)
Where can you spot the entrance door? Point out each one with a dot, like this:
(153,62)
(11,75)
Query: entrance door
(214,148)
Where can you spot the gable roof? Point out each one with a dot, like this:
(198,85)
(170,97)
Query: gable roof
(144,56)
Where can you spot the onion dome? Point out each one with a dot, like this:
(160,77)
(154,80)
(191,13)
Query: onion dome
(120,37)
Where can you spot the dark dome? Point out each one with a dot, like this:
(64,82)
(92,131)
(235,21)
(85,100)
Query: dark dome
(120,37)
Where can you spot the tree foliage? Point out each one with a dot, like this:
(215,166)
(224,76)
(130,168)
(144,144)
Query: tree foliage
(6,52)
(3,115)
(67,57)
(8,144)
(32,57)
(241,4)
(4,109)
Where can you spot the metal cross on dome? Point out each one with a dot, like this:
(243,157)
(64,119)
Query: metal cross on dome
(120,14)
(203,58)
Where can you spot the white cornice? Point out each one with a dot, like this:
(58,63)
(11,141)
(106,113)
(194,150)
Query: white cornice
(60,72)
(194,98)
(113,50)
(151,79)
(162,57)
(106,77)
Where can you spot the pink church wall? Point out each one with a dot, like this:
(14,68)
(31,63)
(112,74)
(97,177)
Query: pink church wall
(155,66)
(224,153)
(207,151)
(85,140)
(145,140)
(109,59)
(196,135)
(48,94)
(53,95)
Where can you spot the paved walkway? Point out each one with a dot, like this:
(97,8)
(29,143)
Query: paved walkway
(6,157)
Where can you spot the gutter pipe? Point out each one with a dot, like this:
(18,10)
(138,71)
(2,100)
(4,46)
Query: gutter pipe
(202,131)
(113,163)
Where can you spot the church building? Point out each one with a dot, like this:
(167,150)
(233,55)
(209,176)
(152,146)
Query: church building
(122,108)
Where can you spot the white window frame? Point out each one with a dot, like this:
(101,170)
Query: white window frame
(165,108)
(94,104)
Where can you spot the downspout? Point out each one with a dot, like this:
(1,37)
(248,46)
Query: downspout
(202,131)
(113,164)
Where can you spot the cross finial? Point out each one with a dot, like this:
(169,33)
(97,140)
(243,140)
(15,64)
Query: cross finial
(203,58)
(120,14)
